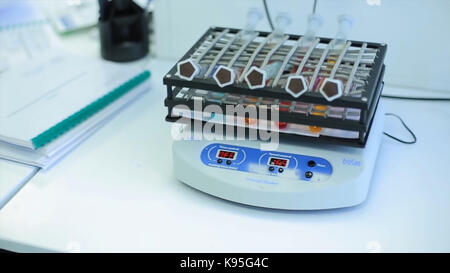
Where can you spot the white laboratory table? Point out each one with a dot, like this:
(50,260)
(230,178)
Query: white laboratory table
(117,192)
(13,176)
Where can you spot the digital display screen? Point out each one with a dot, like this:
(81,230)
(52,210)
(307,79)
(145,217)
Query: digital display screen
(280,162)
(226,154)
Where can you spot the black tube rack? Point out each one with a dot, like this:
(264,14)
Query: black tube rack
(363,97)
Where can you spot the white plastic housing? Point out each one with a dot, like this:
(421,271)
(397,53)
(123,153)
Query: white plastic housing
(347,186)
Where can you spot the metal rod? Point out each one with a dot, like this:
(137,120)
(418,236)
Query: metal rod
(285,48)
(273,50)
(241,49)
(306,57)
(218,56)
(367,59)
(255,53)
(286,61)
(324,74)
(199,57)
(339,60)
(317,51)
(319,65)
(310,64)
(344,69)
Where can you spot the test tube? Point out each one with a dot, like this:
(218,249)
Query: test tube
(296,84)
(345,23)
(190,68)
(227,75)
(283,107)
(315,21)
(282,21)
(254,15)
(256,77)
(331,88)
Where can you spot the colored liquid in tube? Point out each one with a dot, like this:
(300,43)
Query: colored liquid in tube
(314,129)
(319,110)
(284,107)
(248,120)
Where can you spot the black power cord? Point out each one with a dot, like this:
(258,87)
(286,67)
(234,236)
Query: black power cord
(314,7)
(406,127)
(269,18)
(403,123)
(415,98)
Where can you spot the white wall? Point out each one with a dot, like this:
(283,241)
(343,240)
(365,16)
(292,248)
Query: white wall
(417,31)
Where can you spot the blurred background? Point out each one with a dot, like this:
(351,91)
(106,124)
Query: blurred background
(417,32)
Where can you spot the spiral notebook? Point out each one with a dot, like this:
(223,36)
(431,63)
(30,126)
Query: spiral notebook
(51,104)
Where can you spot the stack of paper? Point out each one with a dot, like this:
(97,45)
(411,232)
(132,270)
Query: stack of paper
(51,100)
(51,104)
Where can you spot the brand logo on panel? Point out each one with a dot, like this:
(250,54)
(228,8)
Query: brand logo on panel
(351,162)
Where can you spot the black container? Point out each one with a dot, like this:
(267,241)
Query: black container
(124,30)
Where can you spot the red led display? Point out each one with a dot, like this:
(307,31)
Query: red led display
(278,162)
(226,154)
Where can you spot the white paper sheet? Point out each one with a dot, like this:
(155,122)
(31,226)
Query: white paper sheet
(46,91)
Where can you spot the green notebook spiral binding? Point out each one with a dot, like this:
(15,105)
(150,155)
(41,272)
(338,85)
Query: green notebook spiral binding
(75,119)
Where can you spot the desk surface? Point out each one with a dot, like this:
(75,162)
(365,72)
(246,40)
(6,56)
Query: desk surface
(113,194)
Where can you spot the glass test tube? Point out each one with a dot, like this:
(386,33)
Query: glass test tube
(331,88)
(297,84)
(257,77)
(227,75)
(190,68)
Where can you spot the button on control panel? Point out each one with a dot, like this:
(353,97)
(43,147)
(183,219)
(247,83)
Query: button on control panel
(311,163)
(272,163)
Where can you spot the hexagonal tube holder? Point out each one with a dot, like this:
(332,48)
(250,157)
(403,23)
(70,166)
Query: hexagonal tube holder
(224,76)
(187,69)
(296,85)
(256,78)
(331,89)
